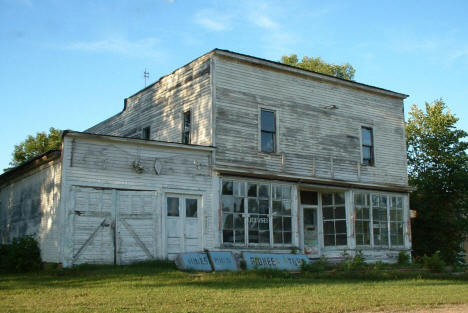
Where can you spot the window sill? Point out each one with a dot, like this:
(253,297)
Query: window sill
(274,154)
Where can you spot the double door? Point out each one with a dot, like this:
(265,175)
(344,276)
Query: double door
(183,224)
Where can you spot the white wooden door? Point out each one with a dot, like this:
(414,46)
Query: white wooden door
(135,227)
(93,222)
(183,224)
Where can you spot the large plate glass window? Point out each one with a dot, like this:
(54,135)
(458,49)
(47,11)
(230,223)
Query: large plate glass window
(253,211)
(396,221)
(379,220)
(362,213)
(385,223)
(281,200)
(334,219)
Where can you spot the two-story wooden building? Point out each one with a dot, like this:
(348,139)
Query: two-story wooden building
(227,152)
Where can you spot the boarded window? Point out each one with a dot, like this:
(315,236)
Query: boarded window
(367,140)
(186,127)
(268,131)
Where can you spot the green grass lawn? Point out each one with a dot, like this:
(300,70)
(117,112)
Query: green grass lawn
(153,288)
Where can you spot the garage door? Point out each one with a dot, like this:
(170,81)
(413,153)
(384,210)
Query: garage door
(114,226)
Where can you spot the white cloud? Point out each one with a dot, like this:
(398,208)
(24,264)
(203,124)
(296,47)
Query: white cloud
(263,21)
(212,20)
(146,47)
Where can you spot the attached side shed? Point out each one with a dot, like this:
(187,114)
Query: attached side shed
(115,200)
(29,198)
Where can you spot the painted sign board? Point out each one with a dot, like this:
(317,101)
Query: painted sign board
(279,261)
(195,261)
(223,261)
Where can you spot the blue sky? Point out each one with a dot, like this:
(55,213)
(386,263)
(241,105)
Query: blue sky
(70,64)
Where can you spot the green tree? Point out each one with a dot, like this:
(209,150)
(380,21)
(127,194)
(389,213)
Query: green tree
(34,146)
(438,169)
(345,71)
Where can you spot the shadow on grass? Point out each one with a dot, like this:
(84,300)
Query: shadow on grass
(158,274)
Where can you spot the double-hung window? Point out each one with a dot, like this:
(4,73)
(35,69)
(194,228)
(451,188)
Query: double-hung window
(367,140)
(268,131)
(256,213)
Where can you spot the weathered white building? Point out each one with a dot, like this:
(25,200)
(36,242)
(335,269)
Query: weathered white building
(227,152)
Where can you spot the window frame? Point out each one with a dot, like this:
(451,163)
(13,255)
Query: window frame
(146,133)
(184,131)
(276,147)
(246,215)
(334,219)
(389,222)
(372,146)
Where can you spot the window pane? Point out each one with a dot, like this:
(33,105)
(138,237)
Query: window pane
(228,203)
(238,222)
(366,155)
(253,206)
(252,190)
(191,207)
(172,206)
(227,221)
(277,207)
(341,240)
(239,205)
(286,192)
(227,187)
(329,228)
(264,191)
(286,207)
(268,143)
(329,240)
(263,207)
(287,237)
(253,236)
(264,237)
(263,222)
(277,237)
(277,224)
(340,212)
(339,198)
(340,227)
(287,223)
(268,121)
(278,193)
(228,236)
(240,236)
(309,197)
(239,189)
(367,136)
(328,213)
(327,198)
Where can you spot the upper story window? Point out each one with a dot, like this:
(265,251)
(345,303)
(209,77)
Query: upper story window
(186,127)
(367,140)
(268,131)
(145,133)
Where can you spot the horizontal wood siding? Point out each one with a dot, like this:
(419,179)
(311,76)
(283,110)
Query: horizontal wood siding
(161,107)
(28,206)
(315,141)
(109,164)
